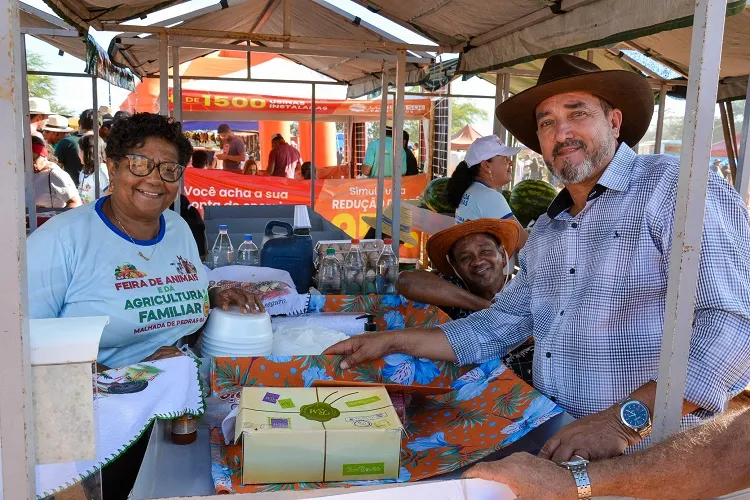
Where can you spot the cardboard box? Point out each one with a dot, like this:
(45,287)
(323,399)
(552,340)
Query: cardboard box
(317,434)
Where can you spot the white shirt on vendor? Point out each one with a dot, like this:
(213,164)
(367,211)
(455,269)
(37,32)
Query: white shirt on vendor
(87,184)
(80,264)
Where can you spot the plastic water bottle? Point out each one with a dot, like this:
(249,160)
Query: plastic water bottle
(387,270)
(248,254)
(329,276)
(354,271)
(222,253)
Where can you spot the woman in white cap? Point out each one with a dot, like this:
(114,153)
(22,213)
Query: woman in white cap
(473,187)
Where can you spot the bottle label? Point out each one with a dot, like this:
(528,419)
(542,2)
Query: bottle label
(186,424)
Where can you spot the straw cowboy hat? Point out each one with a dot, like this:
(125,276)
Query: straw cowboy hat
(405,223)
(627,91)
(57,123)
(506,231)
(39,106)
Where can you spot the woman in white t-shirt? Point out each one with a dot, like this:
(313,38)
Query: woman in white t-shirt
(474,186)
(127,256)
(87,179)
(53,187)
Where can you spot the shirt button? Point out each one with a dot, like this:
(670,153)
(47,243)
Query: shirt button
(562,312)
(552,398)
(574,225)
(572,271)
(549,354)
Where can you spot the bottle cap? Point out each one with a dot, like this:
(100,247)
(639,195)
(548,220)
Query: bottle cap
(248,237)
(370,325)
(331,251)
(223,227)
(355,241)
(387,241)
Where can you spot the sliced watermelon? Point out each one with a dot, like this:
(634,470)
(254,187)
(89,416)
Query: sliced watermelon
(530,199)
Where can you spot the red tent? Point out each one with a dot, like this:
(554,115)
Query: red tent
(719,150)
(464,138)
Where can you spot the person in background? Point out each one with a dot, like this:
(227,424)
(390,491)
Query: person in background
(86,179)
(233,154)
(412,168)
(340,156)
(250,167)
(283,159)
(473,187)
(469,262)
(371,163)
(53,187)
(256,154)
(105,128)
(199,158)
(39,112)
(66,150)
(306,170)
(667,470)
(87,120)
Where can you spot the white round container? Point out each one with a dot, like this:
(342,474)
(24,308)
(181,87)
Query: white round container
(232,333)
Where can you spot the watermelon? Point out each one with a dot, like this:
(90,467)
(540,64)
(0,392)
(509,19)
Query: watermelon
(506,195)
(434,196)
(530,199)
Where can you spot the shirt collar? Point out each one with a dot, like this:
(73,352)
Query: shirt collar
(616,176)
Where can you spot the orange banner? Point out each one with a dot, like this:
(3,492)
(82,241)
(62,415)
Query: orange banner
(199,100)
(342,201)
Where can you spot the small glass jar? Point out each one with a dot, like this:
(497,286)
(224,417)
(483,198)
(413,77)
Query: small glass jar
(184,429)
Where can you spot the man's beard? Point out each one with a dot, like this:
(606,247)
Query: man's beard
(591,165)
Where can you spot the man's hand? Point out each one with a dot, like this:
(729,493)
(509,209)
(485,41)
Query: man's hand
(530,477)
(362,348)
(597,436)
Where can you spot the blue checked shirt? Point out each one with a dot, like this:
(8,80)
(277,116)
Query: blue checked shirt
(591,290)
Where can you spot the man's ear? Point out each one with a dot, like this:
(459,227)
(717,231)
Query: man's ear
(615,121)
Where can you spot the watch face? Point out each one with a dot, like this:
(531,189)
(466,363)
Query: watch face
(635,414)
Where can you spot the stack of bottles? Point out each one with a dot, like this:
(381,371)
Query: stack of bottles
(354,277)
(222,253)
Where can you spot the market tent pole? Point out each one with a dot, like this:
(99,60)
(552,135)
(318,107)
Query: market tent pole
(660,119)
(398,133)
(29,161)
(703,80)
(731,154)
(177,112)
(17,442)
(381,150)
(313,171)
(163,75)
(742,179)
(95,106)
(498,128)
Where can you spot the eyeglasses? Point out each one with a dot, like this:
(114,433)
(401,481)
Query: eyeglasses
(142,166)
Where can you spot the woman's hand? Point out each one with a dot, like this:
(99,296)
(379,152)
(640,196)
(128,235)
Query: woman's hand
(164,352)
(246,301)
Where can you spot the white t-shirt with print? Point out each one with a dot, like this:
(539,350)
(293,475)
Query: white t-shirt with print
(53,188)
(80,264)
(482,202)
(87,185)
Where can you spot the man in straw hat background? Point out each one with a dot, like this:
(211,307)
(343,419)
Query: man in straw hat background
(593,275)
(469,261)
(57,133)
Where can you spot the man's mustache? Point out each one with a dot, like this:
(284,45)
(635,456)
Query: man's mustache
(568,144)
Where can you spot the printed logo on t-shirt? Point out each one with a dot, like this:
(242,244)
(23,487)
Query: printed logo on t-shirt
(165,301)
(465,199)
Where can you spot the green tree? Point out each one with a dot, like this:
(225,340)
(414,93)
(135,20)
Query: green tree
(465,112)
(43,86)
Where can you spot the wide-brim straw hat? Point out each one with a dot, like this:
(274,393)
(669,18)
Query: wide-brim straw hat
(625,90)
(506,231)
(405,222)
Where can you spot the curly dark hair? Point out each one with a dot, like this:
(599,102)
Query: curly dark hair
(131,132)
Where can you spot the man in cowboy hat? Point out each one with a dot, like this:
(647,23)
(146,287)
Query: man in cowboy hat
(592,284)
(469,260)
(57,133)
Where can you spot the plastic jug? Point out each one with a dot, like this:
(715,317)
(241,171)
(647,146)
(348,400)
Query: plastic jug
(290,251)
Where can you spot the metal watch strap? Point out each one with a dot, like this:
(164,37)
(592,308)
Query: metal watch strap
(581,476)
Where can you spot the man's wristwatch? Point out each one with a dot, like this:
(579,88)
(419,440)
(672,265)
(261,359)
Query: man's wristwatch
(578,467)
(636,416)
